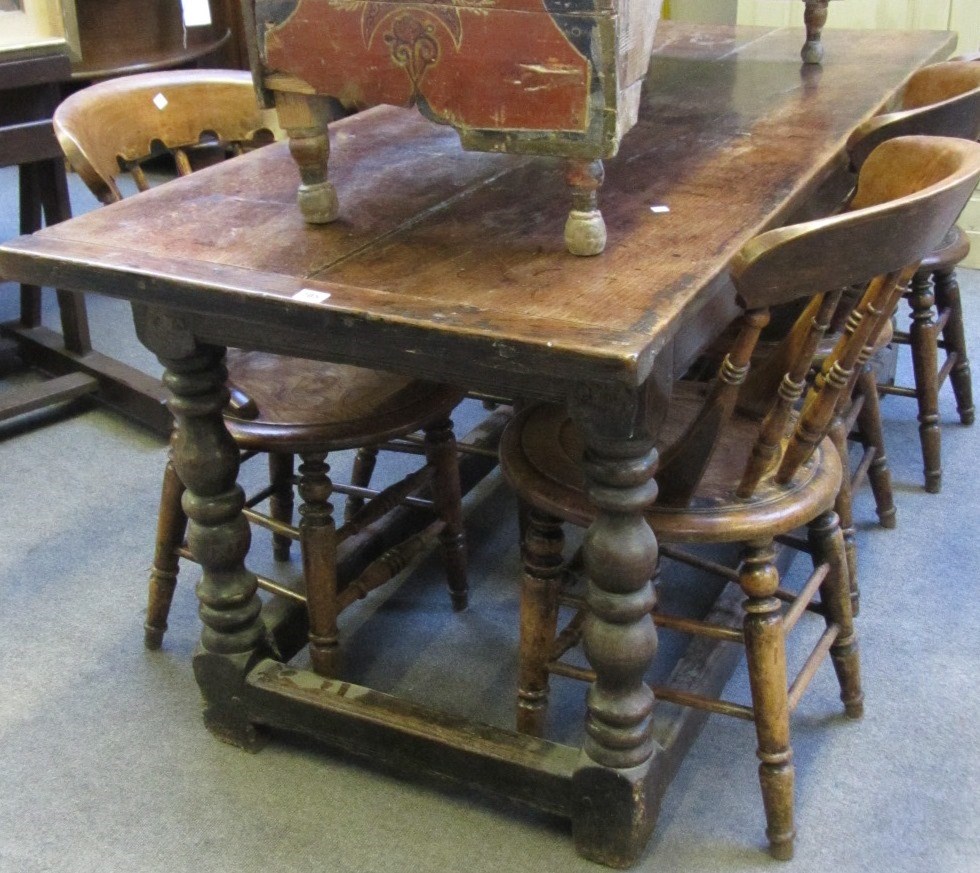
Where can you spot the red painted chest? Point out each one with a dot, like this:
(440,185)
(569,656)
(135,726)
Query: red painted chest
(549,77)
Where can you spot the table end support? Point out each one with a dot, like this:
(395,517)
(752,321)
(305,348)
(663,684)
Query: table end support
(221,678)
(206,460)
(613,812)
(616,795)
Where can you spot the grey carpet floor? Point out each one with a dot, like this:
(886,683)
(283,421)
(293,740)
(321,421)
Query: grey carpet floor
(105,764)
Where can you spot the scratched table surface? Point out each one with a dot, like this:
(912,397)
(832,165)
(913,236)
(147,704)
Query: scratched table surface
(444,261)
(451,264)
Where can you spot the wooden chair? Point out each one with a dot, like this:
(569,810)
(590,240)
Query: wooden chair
(280,406)
(748,457)
(939,100)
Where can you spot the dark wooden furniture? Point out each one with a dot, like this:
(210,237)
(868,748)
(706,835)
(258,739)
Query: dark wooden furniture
(120,37)
(447,262)
(943,99)
(279,406)
(30,92)
(516,76)
(742,463)
(229,13)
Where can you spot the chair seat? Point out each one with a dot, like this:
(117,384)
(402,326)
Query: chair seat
(541,452)
(953,249)
(297,405)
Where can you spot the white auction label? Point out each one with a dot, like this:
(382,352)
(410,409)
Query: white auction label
(197,13)
(308,295)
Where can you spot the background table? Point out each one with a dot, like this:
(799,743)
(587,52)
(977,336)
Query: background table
(448,264)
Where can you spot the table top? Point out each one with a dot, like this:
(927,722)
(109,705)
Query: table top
(451,264)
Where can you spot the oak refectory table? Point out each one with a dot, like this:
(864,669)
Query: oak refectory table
(449,265)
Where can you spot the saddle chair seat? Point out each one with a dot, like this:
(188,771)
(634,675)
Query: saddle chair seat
(541,455)
(296,405)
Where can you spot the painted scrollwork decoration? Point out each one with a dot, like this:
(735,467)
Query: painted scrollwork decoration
(411,31)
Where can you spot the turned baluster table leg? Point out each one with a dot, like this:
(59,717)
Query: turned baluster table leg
(814,17)
(615,810)
(206,460)
(305,119)
(585,230)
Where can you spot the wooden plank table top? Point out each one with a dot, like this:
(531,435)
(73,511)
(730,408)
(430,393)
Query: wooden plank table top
(450,265)
(455,257)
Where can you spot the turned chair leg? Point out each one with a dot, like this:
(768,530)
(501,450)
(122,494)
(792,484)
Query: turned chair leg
(765,647)
(542,553)
(869,426)
(924,341)
(171,525)
(281,500)
(947,290)
(318,545)
(361,473)
(843,506)
(827,547)
(440,452)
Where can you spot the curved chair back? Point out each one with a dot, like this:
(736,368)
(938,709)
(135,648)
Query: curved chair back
(910,192)
(110,127)
(939,100)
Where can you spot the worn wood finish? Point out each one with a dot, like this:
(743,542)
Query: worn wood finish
(452,244)
(279,405)
(518,76)
(444,261)
(737,467)
(122,37)
(940,100)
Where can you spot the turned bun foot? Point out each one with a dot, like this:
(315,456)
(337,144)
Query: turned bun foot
(812,52)
(814,18)
(585,232)
(318,203)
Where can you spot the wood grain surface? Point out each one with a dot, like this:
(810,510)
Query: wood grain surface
(444,261)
